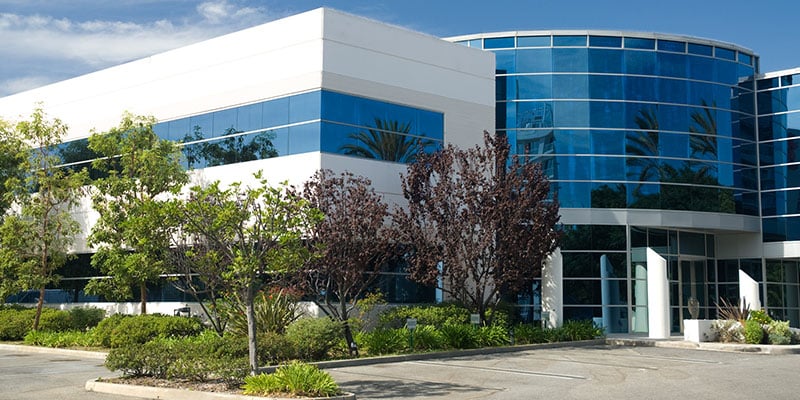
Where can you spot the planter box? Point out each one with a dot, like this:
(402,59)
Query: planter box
(698,330)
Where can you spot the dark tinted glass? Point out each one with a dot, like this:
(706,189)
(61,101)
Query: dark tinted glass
(569,40)
(605,41)
(498,43)
(639,43)
(700,49)
(725,54)
(669,45)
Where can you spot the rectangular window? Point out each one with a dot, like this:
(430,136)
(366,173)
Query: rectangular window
(669,45)
(605,41)
(700,49)
(725,54)
(498,43)
(533,41)
(640,43)
(569,40)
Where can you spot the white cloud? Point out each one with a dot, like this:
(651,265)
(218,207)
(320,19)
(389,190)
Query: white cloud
(100,43)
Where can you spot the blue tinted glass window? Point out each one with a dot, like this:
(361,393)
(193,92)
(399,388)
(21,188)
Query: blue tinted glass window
(700,49)
(225,122)
(673,118)
(608,168)
(640,88)
(498,43)
(574,168)
(669,45)
(674,145)
(605,60)
(767,83)
(304,138)
(161,130)
(641,116)
(793,98)
(639,43)
(570,60)
(672,65)
(572,142)
(789,80)
(533,114)
(534,60)
(571,113)
(672,90)
(476,43)
(533,41)
(179,129)
(609,195)
(534,87)
(202,125)
(701,68)
(574,194)
(276,112)
(572,86)
(608,142)
(607,87)
(640,62)
(607,114)
(305,107)
(605,41)
(725,53)
(726,72)
(745,58)
(569,40)
(505,61)
(249,117)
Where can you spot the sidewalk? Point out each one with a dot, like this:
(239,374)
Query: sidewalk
(677,342)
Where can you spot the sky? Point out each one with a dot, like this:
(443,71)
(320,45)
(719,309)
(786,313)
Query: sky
(44,41)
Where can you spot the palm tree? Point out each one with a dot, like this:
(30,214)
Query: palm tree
(704,140)
(644,146)
(388,141)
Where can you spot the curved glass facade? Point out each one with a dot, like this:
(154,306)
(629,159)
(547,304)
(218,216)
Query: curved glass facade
(631,121)
(779,134)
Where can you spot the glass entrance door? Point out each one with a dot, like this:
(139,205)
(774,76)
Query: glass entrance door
(692,289)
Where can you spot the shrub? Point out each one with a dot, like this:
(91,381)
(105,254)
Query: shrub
(297,379)
(386,341)
(55,320)
(728,331)
(59,339)
(273,312)
(15,323)
(460,336)
(274,348)
(208,355)
(102,333)
(779,332)
(493,336)
(149,359)
(143,328)
(753,333)
(435,314)
(427,337)
(312,338)
(529,334)
(760,316)
(85,318)
(581,330)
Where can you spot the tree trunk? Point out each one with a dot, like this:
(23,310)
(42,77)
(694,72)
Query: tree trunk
(39,306)
(348,333)
(252,348)
(143,295)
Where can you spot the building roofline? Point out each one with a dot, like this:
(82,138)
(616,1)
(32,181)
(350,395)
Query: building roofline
(644,35)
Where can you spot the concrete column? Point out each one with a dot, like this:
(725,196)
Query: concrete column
(640,298)
(657,296)
(748,292)
(553,289)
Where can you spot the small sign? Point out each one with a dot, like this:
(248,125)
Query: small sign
(475,319)
(411,323)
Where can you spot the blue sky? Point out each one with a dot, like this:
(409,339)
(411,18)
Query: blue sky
(43,41)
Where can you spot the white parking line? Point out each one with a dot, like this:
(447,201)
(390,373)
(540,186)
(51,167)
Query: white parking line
(503,370)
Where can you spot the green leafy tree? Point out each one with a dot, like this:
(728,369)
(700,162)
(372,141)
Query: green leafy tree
(353,241)
(131,235)
(12,160)
(478,222)
(233,148)
(247,235)
(388,141)
(35,238)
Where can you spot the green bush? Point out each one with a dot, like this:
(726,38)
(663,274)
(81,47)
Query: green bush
(273,312)
(104,331)
(427,337)
(460,336)
(433,314)
(529,334)
(580,330)
(15,323)
(493,336)
(759,316)
(153,358)
(274,348)
(297,379)
(753,333)
(55,320)
(312,338)
(85,318)
(779,332)
(59,339)
(385,341)
(143,328)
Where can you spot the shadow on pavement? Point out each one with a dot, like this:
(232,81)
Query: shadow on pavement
(377,389)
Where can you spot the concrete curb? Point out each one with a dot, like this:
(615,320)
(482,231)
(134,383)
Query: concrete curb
(707,346)
(96,355)
(148,392)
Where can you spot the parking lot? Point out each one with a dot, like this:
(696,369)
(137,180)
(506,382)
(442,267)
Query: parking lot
(596,373)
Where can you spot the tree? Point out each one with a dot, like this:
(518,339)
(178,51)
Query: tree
(35,238)
(248,235)
(388,141)
(477,223)
(233,148)
(131,234)
(353,243)
(12,160)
